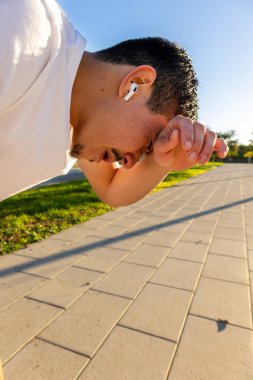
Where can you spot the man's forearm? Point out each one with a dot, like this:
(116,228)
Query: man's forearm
(129,186)
(121,187)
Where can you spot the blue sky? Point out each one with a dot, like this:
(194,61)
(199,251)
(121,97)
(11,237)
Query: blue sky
(218,34)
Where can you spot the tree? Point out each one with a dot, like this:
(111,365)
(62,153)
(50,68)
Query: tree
(251,142)
(249,154)
(237,152)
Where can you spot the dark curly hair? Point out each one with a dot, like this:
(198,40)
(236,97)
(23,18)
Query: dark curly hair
(175,88)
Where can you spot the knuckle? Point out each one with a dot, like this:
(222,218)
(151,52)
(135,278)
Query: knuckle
(208,150)
(183,119)
(200,127)
(197,147)
(211,134)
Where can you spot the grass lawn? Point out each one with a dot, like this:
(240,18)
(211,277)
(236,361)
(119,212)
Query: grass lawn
(176,177)
(35,214)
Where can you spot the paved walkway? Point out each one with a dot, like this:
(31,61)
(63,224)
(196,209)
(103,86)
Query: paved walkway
(156,290)
(73,175)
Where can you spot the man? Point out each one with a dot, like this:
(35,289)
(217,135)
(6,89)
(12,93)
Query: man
(121,104)
(118,105)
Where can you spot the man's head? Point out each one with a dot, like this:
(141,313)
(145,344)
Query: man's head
(110,128)
(175,87)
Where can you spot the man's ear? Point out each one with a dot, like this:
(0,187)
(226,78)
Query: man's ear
(144,76)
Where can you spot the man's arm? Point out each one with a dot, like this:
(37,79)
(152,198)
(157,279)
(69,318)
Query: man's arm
(120,187)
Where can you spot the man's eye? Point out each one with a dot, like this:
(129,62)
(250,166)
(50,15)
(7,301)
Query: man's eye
(106,155)
(149,147)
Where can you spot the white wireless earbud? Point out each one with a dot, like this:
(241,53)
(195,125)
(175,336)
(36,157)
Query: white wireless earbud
(133,89)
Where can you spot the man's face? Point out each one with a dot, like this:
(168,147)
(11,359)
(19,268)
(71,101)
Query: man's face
(118,133)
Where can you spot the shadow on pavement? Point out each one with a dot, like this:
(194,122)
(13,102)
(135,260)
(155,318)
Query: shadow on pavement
(82,249)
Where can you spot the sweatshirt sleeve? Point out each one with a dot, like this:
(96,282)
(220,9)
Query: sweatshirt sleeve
(24,47)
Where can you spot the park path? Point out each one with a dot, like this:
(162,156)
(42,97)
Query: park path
(161,289)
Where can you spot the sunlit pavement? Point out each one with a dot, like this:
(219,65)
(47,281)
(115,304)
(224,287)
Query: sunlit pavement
(158,290)
(73,175)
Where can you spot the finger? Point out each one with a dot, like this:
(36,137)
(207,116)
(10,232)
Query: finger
(198,141)
(185,126)
(208,147)
(221,148)
(166,142)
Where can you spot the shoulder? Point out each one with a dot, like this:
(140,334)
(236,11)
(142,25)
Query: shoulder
(26,43)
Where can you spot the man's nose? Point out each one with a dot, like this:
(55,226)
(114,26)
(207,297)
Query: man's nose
(128,160)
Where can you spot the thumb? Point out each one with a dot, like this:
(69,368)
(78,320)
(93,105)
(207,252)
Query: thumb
(166,141)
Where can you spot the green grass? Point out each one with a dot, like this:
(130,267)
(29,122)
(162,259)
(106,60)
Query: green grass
(36,214)
(176,177)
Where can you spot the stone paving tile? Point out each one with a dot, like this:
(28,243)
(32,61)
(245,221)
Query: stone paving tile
(114,215)
(162,214)
(139,213)
(250,242)
(34,361)
(94,223)
(72,234)
(249,231)
(103,259)
(153,220)
(15,286)
(251,288)
(87,245)
(127,221)
(218,299)
(175,228)
(234,215)
(178,273)
(161,238)
(197,237)
(224,222)
(250,257)
(170,209)
(184,216)
(127,242)
(146,254)
(125,280)
(159,310)
(79,277)
(51,266)
(11,263)
(129,354)
(85,324)
(229,233)
(249,223)
(226,268)
(21,322)
(209,217)
(189,251)
(141,229)
(43,248)
(125,210)
(200,226)
(57,293)
(228,247)
(207,353)
(109,231)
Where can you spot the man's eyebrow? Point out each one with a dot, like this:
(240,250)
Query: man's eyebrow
(76,150)
(117,155)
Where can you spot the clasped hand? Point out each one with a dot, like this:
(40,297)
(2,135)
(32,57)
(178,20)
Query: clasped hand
(183,143)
